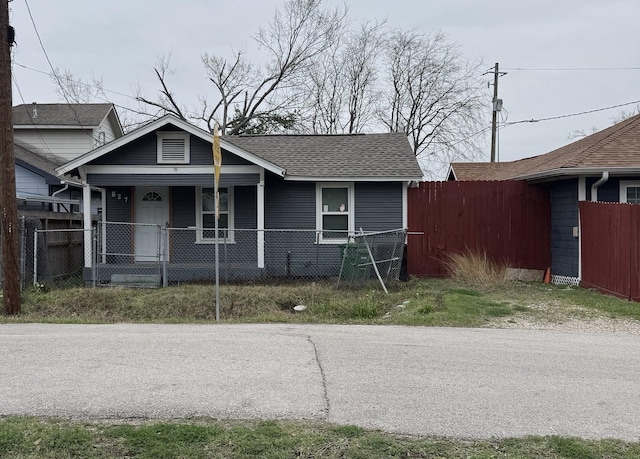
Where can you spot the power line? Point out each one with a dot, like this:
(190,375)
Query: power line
(55,75)
(572,114)
(572,69)
(53,157)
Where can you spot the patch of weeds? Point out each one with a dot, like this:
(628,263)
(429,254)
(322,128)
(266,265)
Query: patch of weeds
(466,291)
(571,448)
(425,309)
(348,431)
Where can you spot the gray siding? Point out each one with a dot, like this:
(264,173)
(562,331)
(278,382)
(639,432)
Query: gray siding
(290,205)
(143,151)
(378,206)
(119,238)
(172,179)
(564,216)
(183,243)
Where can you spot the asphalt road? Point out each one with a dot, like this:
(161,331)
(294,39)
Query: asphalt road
(470,383)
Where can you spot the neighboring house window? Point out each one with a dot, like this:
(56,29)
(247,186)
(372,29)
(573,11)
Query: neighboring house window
(334,211)
(205,214)
(630,191)
(173,147)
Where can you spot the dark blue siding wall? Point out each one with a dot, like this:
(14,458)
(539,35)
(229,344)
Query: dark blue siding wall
(183,212)
(564,216)
(610,190)
(290,205)
(183,243)
(378,206)
(143,151)
(119,237)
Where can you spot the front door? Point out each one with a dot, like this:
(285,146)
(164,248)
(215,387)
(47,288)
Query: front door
(152,212)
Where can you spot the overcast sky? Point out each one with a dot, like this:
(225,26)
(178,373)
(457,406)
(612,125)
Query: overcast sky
(539,43)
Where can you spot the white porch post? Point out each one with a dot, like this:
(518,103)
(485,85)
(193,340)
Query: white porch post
(86,211)
(405,205)
(260,220)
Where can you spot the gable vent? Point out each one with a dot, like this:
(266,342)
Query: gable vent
(173,148)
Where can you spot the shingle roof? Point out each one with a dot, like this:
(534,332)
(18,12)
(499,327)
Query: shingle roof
(75,115)
(335,156)
(617,146)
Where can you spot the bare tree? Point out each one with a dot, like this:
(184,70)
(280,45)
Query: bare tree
(75,90)
(341,94)
(435,97)
(302,30)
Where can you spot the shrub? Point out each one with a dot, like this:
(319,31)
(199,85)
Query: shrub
(476,269)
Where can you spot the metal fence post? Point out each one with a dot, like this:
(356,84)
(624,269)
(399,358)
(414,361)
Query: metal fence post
(23,247)
(35,257)
(94,257)
(165,255)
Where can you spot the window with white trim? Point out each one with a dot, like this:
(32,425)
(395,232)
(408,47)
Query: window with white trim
(205,214)
(630,191)
(334,211)
(173,147)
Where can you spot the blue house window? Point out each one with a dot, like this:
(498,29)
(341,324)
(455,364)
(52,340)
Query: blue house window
(205,214)
(334,211)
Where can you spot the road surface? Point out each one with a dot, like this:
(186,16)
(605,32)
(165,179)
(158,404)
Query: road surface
(465,383)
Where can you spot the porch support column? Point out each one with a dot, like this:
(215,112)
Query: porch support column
(86,214)
(405,205)
(260,220)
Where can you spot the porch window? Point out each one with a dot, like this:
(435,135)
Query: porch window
(205,214)
(630,191)
(335,211)
(173,147)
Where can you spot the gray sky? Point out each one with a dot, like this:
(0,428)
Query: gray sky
(120,41)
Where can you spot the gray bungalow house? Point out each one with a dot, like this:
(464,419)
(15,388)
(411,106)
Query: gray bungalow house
(604,166)
(161,174)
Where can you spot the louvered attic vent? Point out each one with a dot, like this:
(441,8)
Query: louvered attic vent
(173,147)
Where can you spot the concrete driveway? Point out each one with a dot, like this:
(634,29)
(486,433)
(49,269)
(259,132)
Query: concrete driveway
(473,383)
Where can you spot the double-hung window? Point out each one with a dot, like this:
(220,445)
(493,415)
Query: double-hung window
(334,211)
(630,191)
(206,214)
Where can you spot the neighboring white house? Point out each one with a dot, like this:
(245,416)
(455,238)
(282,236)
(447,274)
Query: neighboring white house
(48,135)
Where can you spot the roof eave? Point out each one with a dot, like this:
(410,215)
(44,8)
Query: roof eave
(304,178)
(575,171)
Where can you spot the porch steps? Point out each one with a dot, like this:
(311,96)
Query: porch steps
(135,280)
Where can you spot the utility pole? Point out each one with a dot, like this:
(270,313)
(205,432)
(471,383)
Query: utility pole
(497,106)
(9,230)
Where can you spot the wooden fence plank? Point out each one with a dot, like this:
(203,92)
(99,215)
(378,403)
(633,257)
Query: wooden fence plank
(509,221)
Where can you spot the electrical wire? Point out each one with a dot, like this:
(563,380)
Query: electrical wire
(572,114)
(574,69)
(53,158)
(57,78)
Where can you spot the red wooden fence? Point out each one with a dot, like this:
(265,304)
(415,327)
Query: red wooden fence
(509,221)
(610,248)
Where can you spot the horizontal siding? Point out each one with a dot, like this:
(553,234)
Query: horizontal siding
(378,206)
(289,205)
(172,179)
(64,144)
(30,182)
(564,217)
(144,151)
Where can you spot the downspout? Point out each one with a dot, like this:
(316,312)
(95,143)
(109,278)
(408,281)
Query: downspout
(55,193)
(594,187)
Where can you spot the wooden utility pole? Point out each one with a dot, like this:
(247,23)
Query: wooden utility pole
(494,114)
(9,230)
(496,108)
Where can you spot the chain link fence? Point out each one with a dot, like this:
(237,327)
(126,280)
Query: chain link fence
(141,255)
(152,255)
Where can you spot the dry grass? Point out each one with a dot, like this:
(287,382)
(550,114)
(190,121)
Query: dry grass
(476,270)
